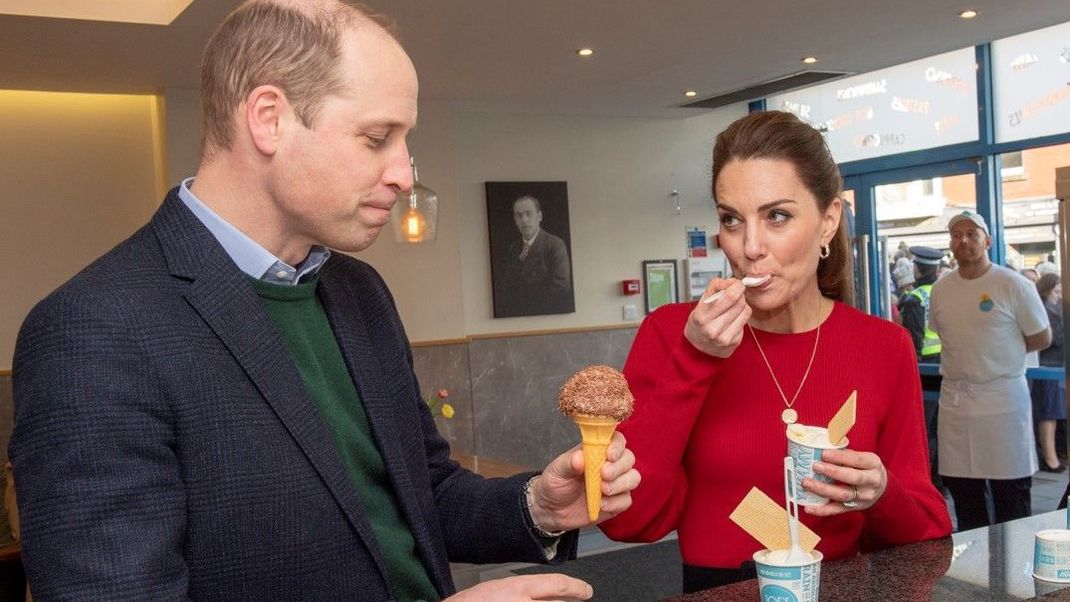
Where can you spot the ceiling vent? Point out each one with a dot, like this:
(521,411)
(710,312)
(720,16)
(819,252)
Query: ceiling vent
(801,79)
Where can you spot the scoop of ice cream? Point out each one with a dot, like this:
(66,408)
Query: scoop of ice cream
(812,436)
(780,558)
(809,435)
(596,391)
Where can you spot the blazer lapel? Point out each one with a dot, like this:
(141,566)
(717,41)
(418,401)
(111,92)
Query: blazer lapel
(380,404)
(217,290)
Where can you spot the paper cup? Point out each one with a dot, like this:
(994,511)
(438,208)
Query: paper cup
(805,444)
(1051,555)
(780,581)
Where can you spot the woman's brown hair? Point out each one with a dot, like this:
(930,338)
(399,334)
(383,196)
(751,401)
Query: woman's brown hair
(780,135)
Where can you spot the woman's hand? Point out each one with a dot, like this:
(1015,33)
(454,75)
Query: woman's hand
(861,481)
(717,328)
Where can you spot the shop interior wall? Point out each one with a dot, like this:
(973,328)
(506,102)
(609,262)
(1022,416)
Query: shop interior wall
(78,174)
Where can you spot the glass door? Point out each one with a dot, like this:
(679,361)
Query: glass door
(899,209)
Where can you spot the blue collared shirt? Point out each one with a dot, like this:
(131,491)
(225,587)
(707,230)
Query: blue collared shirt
(249,256)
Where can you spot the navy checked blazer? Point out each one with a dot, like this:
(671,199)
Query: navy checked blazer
(165,446)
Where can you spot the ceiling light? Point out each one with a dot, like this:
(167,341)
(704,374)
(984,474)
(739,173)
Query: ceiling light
(810,60)
(690,93)
(968,14)
(585,51)
(415,214)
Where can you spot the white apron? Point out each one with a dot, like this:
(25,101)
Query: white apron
(986,429)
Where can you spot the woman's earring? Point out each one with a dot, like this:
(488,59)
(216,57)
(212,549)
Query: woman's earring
(825,252)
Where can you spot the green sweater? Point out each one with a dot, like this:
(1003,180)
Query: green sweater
(302,323)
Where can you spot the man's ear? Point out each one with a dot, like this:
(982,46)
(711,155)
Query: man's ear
(266,110)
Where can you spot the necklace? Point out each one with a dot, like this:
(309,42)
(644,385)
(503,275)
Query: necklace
(789,415)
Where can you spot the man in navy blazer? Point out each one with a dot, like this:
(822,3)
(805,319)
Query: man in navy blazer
(167,443)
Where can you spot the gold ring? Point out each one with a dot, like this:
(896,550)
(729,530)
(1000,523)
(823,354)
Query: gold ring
(851,502)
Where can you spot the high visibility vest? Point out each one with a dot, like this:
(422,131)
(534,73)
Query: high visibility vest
(930,341)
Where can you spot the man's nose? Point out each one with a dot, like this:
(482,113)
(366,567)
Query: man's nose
(398,172)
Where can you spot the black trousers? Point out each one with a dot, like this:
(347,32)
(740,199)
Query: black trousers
(1010,500)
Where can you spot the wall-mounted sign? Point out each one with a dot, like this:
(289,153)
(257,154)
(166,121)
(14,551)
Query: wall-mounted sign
(909,107)
(1031,84)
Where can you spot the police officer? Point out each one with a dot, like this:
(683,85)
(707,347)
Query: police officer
(914,306)
(914,313)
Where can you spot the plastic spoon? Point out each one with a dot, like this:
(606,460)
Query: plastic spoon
(747,281)
(796,555)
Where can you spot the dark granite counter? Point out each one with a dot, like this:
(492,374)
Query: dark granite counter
(993,563)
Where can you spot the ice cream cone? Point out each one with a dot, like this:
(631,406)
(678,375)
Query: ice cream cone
(596,432)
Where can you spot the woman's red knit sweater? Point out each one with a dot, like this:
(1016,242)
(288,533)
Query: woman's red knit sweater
(705,430)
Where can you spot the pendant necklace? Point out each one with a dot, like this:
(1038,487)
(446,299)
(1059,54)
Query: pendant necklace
(789,415)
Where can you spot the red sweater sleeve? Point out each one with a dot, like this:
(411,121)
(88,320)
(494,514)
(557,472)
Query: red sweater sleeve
(911,509)
(670,380)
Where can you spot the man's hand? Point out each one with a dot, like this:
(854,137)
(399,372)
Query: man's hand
(559,502)
(552,586)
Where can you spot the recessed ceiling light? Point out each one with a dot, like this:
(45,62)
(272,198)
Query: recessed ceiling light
(968,14)
(810,60)
(690,93)
(585,51)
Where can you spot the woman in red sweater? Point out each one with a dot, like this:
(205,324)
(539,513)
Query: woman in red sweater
(716,383)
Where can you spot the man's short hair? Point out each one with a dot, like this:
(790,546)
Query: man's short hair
(528,197)
(295,46)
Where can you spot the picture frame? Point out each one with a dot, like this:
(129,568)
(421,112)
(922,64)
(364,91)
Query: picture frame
(660,283)
(530,248)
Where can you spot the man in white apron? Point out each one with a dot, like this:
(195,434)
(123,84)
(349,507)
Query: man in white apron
(987,317)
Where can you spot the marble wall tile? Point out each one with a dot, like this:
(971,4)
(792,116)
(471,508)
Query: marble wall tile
(515,383)
(447,366)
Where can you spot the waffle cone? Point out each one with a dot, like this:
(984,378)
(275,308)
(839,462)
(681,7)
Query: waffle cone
(596,432)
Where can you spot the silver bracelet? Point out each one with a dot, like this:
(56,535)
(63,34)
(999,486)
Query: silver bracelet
(529,499)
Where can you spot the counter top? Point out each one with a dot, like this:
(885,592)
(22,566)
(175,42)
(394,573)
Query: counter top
(991,563)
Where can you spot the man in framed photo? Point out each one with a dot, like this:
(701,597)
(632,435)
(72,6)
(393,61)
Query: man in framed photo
(538,269)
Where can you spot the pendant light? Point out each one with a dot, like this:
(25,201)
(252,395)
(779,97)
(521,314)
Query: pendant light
(415,214)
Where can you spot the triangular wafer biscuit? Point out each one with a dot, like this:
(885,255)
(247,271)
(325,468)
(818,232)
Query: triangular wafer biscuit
(767,521)
(844,419)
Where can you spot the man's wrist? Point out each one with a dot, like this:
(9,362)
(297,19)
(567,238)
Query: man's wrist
(529,503)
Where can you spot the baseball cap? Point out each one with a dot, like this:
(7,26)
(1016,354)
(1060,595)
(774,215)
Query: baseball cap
(970,215)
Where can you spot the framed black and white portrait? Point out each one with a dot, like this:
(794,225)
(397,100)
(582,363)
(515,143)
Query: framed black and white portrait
(530,248)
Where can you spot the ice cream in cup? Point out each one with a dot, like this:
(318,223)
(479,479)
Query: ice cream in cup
(781,580)
(805,445)
(1051,555)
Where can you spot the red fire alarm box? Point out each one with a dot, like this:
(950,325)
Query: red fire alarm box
(629,287)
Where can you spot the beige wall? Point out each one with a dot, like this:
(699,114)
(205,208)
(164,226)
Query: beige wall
(78,173)
(620,174)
